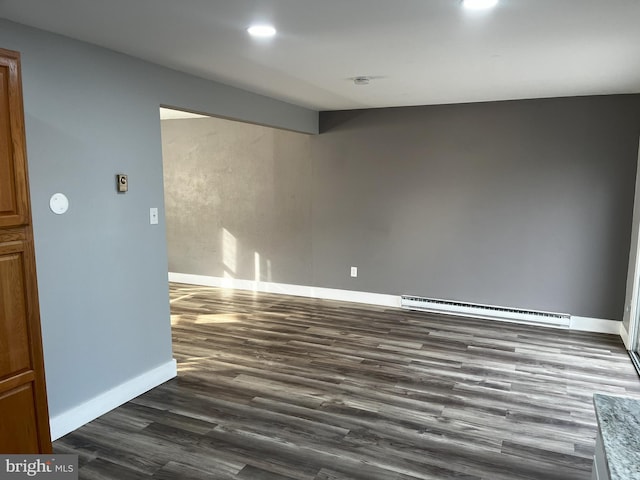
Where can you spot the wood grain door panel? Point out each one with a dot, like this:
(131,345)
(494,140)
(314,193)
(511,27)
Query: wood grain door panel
(7,192)
(14,324)
(19,432)
(24,416)
(14,202)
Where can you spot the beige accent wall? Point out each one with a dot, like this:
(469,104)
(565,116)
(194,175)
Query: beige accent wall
(238,200)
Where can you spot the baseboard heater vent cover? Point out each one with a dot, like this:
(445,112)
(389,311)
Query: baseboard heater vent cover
(451,307)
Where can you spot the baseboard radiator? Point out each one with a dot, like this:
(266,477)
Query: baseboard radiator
(507,314)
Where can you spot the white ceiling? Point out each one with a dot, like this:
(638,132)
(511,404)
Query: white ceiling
(420,51)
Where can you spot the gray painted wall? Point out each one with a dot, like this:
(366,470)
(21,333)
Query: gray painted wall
(102,269)
(233,190)
(523,204)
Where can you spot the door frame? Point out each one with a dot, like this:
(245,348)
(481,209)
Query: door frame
(631,336)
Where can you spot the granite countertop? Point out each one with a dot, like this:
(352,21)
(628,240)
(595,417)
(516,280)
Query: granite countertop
(619,422)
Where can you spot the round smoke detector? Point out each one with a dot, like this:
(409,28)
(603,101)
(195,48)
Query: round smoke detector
(361,80)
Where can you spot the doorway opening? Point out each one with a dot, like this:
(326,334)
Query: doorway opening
(237,205)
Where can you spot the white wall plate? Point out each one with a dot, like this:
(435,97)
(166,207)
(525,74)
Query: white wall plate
(59,203)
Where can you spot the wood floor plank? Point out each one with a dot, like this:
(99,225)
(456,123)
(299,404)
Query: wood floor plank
(272,387)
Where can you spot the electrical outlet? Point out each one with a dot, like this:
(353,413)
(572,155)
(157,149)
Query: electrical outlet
(354,272)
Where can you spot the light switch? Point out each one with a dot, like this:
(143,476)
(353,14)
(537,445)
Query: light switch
(153,216)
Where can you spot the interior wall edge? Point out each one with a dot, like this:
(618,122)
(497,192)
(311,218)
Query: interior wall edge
(84,413)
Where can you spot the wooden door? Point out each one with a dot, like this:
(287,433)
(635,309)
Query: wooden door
(24,417)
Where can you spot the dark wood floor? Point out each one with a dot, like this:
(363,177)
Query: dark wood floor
(276,387)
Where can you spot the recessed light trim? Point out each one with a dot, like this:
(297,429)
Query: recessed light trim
(261,31)
(479,4)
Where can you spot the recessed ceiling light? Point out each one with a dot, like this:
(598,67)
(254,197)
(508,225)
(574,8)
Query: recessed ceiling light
(479,4)
(261,31)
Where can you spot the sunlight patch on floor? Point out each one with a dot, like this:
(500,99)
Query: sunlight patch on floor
(219,318)
(207,318)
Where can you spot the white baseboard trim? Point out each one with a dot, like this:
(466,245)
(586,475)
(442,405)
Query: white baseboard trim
(288,289)
(625,336)
(598,325)
(76,417)
(585,324)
